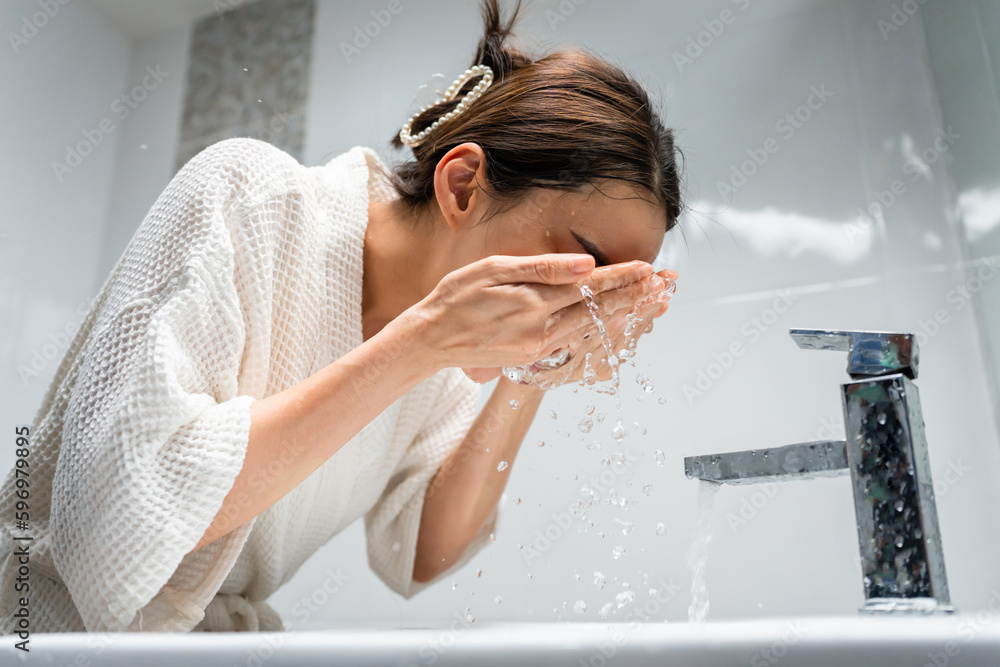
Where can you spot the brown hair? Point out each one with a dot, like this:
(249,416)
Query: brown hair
(563,121)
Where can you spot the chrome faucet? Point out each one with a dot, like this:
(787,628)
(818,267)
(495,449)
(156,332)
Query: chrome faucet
(885,453)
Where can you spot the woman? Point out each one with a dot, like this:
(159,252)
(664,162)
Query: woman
(282,350)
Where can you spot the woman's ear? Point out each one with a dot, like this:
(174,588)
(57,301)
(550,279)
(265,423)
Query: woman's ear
(458,180)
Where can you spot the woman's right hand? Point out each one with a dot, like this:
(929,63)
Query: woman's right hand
(513,310)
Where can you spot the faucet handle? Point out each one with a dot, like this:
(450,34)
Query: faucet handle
(869,353)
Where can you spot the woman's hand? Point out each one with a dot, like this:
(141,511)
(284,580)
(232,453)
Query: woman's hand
(510,311)
(626,314)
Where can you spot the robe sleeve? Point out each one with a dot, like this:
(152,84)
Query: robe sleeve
(156,428)
(393,523)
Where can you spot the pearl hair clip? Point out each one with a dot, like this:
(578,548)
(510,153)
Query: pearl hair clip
(470,97)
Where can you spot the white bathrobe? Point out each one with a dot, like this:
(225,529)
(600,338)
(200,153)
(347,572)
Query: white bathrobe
(243,279)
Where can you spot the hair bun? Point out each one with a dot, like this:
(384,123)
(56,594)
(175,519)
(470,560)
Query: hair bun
(492,50)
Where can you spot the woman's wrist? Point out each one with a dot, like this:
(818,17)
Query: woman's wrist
(413,334)
(522,393)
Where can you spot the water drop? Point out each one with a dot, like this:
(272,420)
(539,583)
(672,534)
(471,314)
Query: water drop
(648,489)
(552,413)
(599,580)
(661,529)
(881,418)
(541,443)
(594,445)
(624,598)
(606,610)
(600,417)
(590,409)
(579,607)
(626,526)
(644,382)
(619,431)
(454,586)
(517,501)
(618,552)
(514,404)
(659,457)
(479,574)
(586,424)
(502,466)
(899,505)
(493,537)
(497,599)
(899,541)
(662,401)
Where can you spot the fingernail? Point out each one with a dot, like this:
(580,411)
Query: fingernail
(583,264)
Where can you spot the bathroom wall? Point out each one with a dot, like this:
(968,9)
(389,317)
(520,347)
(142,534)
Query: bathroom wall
(239,58)
(963,42)
(61,124)
(817,199)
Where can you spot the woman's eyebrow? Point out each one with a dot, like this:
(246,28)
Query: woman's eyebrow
(600,257)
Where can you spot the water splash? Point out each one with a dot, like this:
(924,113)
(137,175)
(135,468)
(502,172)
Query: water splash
(533,374)
(698,556)
(502,466)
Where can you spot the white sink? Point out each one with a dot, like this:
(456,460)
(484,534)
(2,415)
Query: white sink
(945,641)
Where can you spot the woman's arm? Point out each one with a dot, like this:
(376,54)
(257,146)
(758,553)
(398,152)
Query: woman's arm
(467,486)
(294,431)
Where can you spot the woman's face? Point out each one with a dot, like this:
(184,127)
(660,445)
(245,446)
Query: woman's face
(614,224)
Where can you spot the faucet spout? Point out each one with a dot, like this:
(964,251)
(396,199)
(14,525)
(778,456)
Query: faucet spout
(807,460)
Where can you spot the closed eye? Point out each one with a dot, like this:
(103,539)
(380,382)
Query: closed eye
(600,259)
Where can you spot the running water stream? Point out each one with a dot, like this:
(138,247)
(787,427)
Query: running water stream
(698,556)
